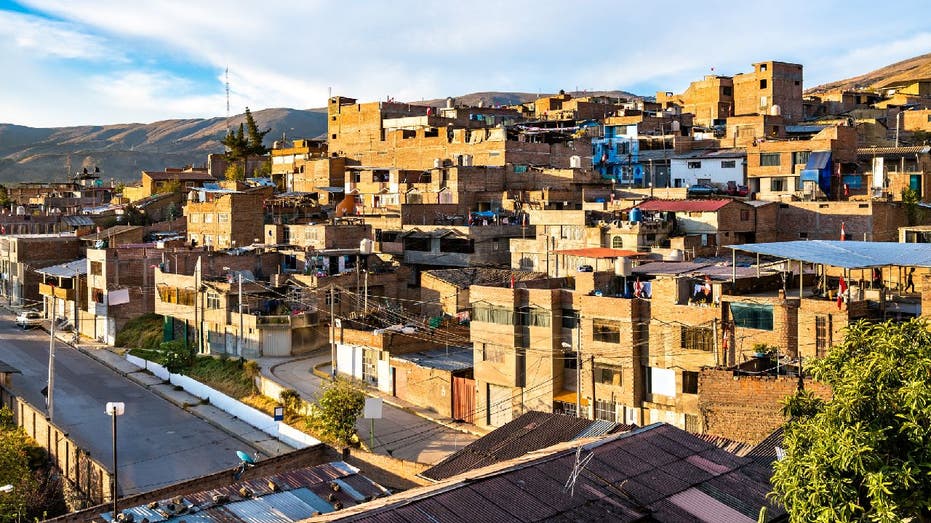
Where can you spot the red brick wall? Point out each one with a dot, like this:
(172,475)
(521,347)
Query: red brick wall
(746,408)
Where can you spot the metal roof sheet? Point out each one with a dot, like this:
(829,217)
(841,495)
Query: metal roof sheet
(845,254)
(684,205)
(66,270)
(451,359)
(600,252)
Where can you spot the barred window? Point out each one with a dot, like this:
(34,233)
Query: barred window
(608,375)
(213,300)
(606,331)
(697,338)
(605,410)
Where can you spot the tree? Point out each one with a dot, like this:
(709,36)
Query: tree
(234,172)
(866,453)
(23,464)
(911,199)
(245,143)
(337,410)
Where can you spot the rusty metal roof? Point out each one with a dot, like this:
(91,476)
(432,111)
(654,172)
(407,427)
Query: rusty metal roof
(657,473)
(281,498)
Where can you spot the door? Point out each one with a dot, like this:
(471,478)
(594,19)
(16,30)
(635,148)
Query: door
(499,405)
(463,399)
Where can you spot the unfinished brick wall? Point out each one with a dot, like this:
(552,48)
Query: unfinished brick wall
(746,408)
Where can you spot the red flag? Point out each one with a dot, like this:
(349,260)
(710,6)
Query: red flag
(841,290)
(843,234)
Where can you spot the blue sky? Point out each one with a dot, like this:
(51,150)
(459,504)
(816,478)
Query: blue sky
(82,62)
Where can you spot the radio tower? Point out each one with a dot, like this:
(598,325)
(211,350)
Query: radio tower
(227,99)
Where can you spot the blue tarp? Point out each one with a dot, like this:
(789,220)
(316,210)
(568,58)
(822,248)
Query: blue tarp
(820,161)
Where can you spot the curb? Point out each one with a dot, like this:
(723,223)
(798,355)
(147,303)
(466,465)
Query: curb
(182,405)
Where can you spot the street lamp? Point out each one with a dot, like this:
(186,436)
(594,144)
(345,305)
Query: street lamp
(114,409)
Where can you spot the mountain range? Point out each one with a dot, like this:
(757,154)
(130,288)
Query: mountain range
(122,151)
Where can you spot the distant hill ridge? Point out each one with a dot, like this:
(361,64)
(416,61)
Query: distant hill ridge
(122,151)
(916,68)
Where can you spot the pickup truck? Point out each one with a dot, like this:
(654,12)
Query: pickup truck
(29,319)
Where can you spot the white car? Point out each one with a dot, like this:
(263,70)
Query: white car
(29,319)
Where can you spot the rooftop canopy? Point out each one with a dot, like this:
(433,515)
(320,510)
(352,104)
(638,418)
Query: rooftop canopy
(845,254)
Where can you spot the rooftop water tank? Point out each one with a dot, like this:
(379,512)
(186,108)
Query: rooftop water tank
(636,215)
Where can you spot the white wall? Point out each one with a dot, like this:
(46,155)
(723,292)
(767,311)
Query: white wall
(710,169)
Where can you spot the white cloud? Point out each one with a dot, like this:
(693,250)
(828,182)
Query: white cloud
(289,54)
(42,38)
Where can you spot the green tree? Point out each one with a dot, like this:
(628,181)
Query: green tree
(911,199)
(23,465)
(245,143)
(4,196)
(337,410)
(866,453)
(234,172)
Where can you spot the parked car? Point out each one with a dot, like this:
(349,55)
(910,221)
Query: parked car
(702,189)
(29,319)
(737,190)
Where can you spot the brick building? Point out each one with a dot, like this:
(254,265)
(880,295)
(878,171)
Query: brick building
(21,255)
(771,84)
(811,169)
(155,182)
(224,218)
(710,100)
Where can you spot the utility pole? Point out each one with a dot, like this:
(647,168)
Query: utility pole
(592,360)
(332,332)
(578,372)
(239,349)
(51,361)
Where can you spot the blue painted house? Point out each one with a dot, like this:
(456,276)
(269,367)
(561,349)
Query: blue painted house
(616,155)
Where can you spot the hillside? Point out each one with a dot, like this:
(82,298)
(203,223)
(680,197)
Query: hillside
(911,69)
(122,151)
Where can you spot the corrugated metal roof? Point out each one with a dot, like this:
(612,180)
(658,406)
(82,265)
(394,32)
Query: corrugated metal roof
(650,473)
(281,498)
(865,152)
(66,270)
(451,359)
(600,427)
(6,368)
(684,205)
(846,254)
(77,220)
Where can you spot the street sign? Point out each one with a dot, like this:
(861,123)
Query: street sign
(372,408)
(279,413)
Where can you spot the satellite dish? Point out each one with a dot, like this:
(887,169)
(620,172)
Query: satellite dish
(245,457)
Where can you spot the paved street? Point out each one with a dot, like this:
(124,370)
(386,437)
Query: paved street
(400,433)
(159,443)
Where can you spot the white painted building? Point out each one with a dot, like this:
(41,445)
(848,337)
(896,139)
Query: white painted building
(717,167)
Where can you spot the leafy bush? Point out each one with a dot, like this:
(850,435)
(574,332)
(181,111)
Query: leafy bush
(336,411)
(144,332)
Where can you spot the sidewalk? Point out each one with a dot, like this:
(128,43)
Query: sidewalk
(106,355)
(406,431)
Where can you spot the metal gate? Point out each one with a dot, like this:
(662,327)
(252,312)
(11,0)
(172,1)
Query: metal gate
(464,399)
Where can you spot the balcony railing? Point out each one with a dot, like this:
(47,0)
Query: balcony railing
(63,294)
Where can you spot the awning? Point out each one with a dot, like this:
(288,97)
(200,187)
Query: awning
(809,175)
(818,160)
(846,254)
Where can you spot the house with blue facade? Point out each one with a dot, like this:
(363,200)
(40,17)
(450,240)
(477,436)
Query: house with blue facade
(616,155)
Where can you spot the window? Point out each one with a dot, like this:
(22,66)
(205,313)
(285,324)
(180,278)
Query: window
(369,365)
(689,382)
(697,338)
(223,217)
(208,217)
(822,335)
(605,410)
(570,319)
(801,157)
(213,300)
(606,331)
(777,184)
(763,84)
(617,242)
(694,164)
(167,295)
(570,360)
(770,159)
(608,375)
(97,295)
(762,101)
(96,268)
(492,314)
(727,91)
(195,217)
(744,215)
(752,315)
(534,317)
(728,164)
(332,297)
(492,354)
